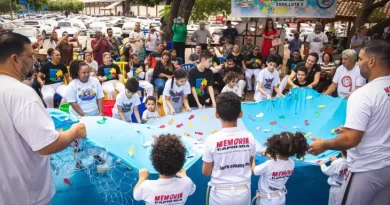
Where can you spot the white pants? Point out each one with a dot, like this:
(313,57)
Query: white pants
(241,85)
(48,92)
(283,84)
(109,87)
(333,191)
(248,75)
(149,75)
(149,88)
(240,196)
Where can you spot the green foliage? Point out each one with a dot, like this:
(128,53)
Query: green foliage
(37,4)
(205,8)
(64,5)
(150,3)
(165,13)
(7,5)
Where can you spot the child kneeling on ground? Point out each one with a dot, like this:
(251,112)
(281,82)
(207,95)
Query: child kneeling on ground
(228,155)
(127,101)
(168,156)
(275,172)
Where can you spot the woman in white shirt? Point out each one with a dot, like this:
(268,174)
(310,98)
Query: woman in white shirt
(85,94)
(328,69)
(53,40)
(93,65)
(151,40)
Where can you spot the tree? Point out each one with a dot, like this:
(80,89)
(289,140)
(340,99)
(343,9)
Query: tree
(205,8)
(9,6)
(368,8)
(37,4)
(66,6)
(150,3)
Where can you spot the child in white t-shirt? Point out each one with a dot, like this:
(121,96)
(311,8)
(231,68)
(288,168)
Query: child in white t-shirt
(150,113)
(127,101)
(228,155)
(168,156)
(268,80)
(275,172)
(176,93)
(336,172)
(231,80)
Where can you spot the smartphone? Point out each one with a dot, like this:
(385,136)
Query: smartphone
(178,19)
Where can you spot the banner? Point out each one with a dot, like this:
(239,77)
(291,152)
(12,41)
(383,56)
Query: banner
(284,8)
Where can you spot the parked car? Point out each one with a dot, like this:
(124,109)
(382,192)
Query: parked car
(117,32)
(44,28)
(66,26)
(127,28)
(216,33)
(30,32)
(155,24)
(9,26)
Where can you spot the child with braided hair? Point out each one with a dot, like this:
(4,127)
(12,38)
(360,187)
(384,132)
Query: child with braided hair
(276,171)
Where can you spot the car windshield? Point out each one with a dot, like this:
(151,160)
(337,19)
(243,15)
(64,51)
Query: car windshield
(155,24)
(64,24)
(25,32)
(31,23)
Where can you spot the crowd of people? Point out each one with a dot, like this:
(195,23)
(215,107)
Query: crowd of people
(365,135)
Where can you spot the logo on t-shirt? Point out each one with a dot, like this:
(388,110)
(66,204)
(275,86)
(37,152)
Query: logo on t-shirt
(281,175)
(387,90)
(110,73)
(200,86)
(346,81)
(317,39)
(175,96)
(168,198)
(55,75)
(233,144)
(126,107)
(268,83)
(87,94)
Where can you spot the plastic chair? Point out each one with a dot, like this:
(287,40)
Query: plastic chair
(122,68)
(170,45)
(118,59)
(222,60)
(180,60)
(187,67)
(80,56)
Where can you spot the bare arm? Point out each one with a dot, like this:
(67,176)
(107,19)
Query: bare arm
(169,104)
(185,101)
(136,113)
(193,91)
(207,168)
(100,106)
(291,78)
(260,89)
(96,46)
(40,77)
(316,80)
(211,91)
(120,112)
(331,89)
(77,108)
(348,139)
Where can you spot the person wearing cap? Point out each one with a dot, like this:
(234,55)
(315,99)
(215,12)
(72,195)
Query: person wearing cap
(294,44)
(247,48)
(230,33)
(200,36)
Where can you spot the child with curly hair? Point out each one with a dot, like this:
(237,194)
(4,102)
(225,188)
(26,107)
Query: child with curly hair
(168,157)
(231,80)
(228,155)
(275,172)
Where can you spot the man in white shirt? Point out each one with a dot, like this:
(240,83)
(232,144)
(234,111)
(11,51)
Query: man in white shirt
(347,78)
(317,41)
(136,39)
(366,133)
(26,143)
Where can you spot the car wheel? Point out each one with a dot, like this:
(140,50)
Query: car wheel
(43,35)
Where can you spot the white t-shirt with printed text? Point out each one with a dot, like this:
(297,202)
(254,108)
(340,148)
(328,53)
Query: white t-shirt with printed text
(25,128)
(316,42)
(85,95)
(173,191)
(127,105)
(150,115)
(269,81)
(138,45)
(152,44)
(176,94)
(368,110)
(273,178)
(347,81)
(230,150)
(335,171)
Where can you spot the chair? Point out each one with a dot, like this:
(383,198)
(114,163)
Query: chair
(122,67)
(80,56)
(118,59)
(170,45)
(187,67)
(222,59)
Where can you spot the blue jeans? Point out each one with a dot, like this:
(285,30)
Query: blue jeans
(160,84)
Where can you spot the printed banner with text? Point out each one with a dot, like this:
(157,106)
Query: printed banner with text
(284,8)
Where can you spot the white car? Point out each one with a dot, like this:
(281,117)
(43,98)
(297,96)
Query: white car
(82,37)
(128,27)
(96,26)
(66,26)
(155,24)
(216,34)
(44,28)
(30,32)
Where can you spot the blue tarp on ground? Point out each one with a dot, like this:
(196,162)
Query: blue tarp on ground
(306,186)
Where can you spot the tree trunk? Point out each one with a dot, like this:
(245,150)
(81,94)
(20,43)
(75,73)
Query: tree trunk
(379,28)
(185,9)
(126,7)
(173,14)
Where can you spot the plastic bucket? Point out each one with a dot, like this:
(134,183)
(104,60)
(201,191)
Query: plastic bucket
(107,108)
(64,107)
